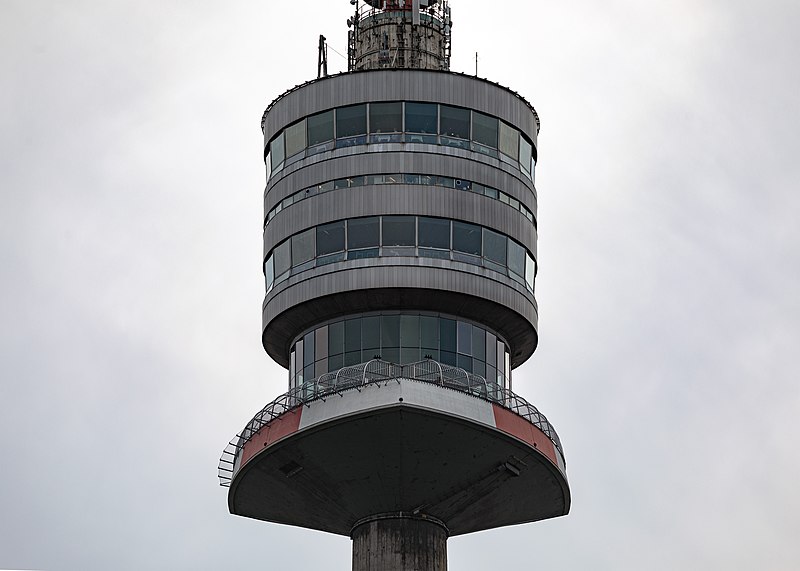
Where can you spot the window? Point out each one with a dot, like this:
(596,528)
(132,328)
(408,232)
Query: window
(320,128)
(421,118)
(434,232)
(454,122)
(525,155)
(363,232)
(390,331)
(276,150)
(330,238)
(283,258)
(484,129)
(303,247)
(494,247)
(352,335)
(409,331)
(371,335)
(464,331)
(295,139)
(399,231)
(509,141)
(530,271)
(386,117)
(351,121)
(516,258)
(429,332)
(269,272)
(467,238)
(447,335)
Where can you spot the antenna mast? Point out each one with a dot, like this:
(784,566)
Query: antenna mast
(322,60)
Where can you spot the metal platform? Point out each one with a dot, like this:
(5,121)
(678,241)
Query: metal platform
(399,445)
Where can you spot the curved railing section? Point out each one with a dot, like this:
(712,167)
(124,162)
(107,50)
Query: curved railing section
(374,372)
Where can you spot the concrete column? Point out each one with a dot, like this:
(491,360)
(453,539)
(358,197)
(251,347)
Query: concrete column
(396,543)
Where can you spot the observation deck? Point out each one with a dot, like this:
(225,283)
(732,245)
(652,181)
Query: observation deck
(426,440)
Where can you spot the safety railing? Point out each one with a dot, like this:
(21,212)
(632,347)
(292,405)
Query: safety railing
(375,372)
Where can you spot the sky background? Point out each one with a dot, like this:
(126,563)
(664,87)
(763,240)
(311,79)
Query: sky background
(131,186)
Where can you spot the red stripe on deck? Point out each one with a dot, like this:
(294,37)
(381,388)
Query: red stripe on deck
(286,424)
(515,425)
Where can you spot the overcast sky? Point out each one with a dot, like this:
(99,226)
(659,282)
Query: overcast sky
(131,185)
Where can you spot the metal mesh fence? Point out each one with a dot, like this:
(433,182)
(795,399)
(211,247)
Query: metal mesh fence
(375,372)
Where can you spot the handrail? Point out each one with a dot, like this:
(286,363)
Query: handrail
(375,372)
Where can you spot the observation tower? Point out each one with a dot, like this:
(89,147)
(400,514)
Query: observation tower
(400,266)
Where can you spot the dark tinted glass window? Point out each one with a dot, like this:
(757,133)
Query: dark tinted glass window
(409,331)
(478,343)
(308,347)
(494,246)
(269,271)
(447,335)
(320,128)
(516,258)
(484,129)
(525,154)
(283,259)
(386,117)
(429,332)
(390,331)
(371,334)
(330,238)
(464,338)
(336,338)
(434,232)
(277,151)
(399,230)
(421,117)
(530,271)
(303,247)
(454,122)
(295,138)
(363,232)
(509,141)
(351,121)
(467,238)
(352,335)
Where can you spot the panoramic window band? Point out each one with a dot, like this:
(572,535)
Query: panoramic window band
(401,235)
(400,178)
(401,122)
(400,338)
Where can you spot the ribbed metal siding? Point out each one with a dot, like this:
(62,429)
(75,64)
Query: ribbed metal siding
(401,85)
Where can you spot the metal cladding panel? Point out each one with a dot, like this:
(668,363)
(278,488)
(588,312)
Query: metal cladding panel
(401,85)
(408,392)
(399,284)
(515,425)
(400,199)
(279,428)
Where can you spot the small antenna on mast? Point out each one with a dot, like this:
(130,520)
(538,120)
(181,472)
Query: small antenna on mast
(476,64)
(322,60)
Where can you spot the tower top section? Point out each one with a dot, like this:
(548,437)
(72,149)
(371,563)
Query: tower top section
(399,34)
